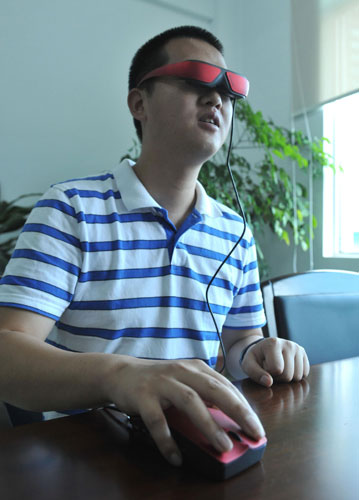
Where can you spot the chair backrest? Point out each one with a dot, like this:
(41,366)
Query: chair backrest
(317,309)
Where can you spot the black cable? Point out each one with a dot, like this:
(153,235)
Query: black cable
(235,245)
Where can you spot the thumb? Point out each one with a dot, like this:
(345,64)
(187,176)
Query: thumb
(254,370)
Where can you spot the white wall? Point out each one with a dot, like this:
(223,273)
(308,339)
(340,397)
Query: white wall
(266,39)
(64,68)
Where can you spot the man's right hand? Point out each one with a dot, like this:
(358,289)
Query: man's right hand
(37,376)
(147,388)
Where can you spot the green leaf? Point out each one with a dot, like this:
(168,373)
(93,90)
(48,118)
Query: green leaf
(285,237)
(304,245)
(277,153)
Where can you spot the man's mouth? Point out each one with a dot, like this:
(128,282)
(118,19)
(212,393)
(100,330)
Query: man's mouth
(210,119)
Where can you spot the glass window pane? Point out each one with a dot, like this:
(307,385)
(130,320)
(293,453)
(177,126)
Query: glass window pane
(341,191)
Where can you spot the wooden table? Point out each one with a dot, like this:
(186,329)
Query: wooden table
(312,453)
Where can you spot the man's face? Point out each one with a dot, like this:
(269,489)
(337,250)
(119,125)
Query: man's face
(179,114)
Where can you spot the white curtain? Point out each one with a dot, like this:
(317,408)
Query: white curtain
(325,51)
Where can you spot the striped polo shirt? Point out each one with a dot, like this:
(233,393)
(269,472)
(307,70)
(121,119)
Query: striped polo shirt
(100,256)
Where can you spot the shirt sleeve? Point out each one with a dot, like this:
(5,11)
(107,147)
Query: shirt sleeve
(42,273)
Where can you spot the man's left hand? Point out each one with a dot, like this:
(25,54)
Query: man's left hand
(275,359)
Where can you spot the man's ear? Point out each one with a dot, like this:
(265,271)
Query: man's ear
(135,102)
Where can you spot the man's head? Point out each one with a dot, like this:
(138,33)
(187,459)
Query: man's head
(153,54)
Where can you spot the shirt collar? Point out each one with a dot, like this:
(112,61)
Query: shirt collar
(135,196)
(206,205)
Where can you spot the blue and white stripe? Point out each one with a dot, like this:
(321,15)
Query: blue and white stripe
(100,256)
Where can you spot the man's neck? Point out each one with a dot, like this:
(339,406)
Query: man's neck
(173,186)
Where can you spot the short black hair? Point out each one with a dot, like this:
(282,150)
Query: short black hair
(152,55)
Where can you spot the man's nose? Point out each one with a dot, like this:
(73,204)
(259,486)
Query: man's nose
(212,97)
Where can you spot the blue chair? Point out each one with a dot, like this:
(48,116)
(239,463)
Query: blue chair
(317,309)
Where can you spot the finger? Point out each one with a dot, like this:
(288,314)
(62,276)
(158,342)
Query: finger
(298,366)
(190,403)
(213,387)
(156,423)
(203,367)
(273,356)
(196,373)
(288,370)
(255,371)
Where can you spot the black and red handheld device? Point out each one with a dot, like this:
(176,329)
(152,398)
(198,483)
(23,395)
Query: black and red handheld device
(200,454)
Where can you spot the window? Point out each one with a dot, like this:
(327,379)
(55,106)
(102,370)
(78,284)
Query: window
(341,189)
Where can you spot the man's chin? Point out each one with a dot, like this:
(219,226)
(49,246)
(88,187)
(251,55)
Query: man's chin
(209,150)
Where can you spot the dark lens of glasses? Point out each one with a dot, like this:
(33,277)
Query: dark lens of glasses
(237,83)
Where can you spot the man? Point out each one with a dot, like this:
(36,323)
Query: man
(111,271)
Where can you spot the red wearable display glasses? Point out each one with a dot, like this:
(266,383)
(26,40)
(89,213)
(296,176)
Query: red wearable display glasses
(208,75)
